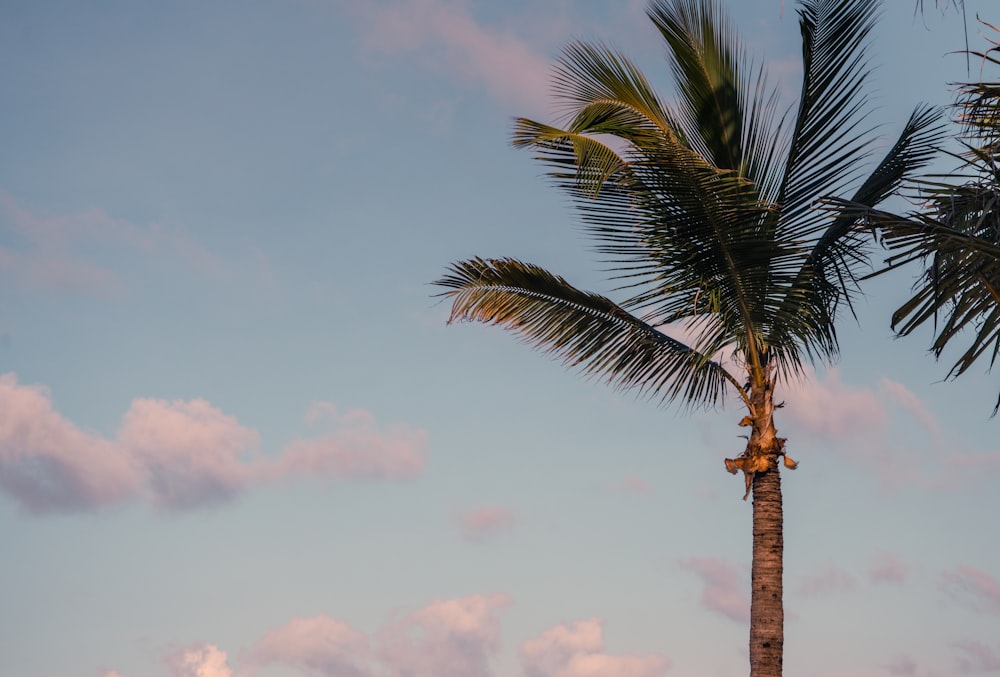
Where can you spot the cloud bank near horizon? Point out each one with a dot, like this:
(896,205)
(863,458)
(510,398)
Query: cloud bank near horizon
(458,637)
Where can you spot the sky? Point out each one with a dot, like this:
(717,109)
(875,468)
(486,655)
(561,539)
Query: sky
(238,438)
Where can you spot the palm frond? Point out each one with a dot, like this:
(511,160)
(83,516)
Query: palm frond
(730,114)
(828,141)
(831,271)
(960,288)
(584,330)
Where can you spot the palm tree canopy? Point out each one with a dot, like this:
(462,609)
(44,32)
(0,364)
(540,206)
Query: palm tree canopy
(703,208)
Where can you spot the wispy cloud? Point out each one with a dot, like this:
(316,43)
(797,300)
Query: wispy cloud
(973,588)
(831,408)
(724,587)
(446,37)
(577,650)
(977,658)
(632,484)
(479,523)
(178,454)
(829,579)
(57,253)
(904,666)
(826,408)
(888,567)
(913,404)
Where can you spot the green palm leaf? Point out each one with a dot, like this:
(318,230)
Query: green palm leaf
(584,330)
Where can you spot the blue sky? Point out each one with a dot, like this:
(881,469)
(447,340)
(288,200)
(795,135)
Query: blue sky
(237,437)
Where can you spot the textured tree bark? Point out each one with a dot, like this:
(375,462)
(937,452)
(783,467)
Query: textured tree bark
(767,615)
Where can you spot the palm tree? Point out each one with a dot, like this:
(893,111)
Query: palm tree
(956,234)
(704,211)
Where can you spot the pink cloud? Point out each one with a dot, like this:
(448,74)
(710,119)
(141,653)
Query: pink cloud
(888,568)
(832,409)
(830,579)
(354,450)
(47,463)
(920,411)
(200,660)
(319,645)
(191,452)
(577,650)
(454,637)
(48,252)
(977,658)
(53,273)
(632,484)
(446,37)
(177,454)
(724,587)
(484,521)
(974,588)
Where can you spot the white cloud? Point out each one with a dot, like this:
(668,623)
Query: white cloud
(200,660)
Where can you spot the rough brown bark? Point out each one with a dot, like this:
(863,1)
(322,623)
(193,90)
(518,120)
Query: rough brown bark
(767,616)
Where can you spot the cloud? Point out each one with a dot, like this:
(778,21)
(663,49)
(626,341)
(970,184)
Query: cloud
(977,658)
(355,449)
(724,587)
(454,637)
(920,411)
(444,36)
(178,454)
(973,588)
(577,650)
(190,452)
(903,666)
(632,484)
(48,464)
(830,579)
(831,409)
(319,645)
(484,521)
(888,568)
(55,253)
(199,660)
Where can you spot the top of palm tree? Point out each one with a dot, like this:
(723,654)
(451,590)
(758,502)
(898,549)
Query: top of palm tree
(703,207)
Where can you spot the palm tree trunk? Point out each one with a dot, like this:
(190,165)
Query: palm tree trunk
(767,616)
